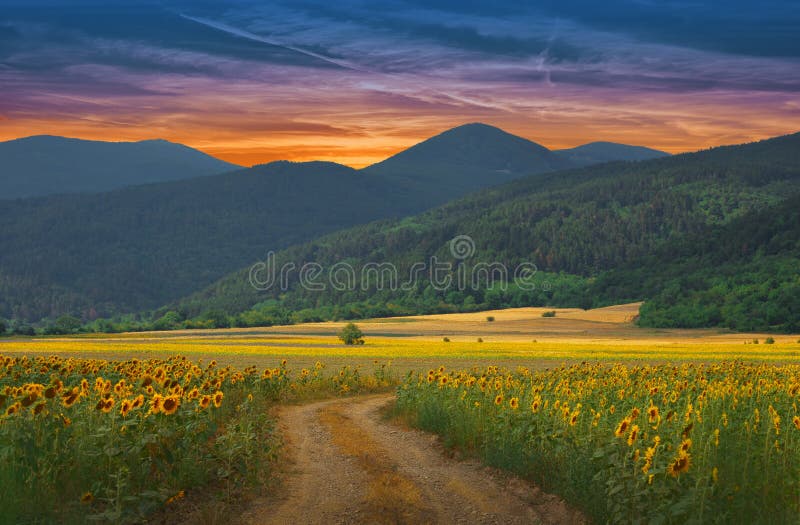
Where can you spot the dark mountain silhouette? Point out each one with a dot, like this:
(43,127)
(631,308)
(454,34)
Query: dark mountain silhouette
(47,165)
(598,152)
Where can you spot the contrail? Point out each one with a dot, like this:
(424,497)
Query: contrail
(340,63)
(258,38)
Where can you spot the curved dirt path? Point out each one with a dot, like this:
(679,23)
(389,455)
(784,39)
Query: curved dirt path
(348,465)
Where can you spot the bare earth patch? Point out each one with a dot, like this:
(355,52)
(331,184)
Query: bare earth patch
(348,465)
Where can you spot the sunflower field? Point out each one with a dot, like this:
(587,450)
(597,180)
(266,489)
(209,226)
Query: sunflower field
(114,441)
(688,443)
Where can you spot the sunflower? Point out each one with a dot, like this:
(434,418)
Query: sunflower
(108,405)
(29,399)
(125,407)
(498,400)
(573,419)
(218,398)
(514,403)
(622,428)
(87,498)
(536,405)
(156,403)
(139,401)
(13,409)
(633,435)
(686,444)
(38,409)
(204,401)
(69,399)
(652,414)
(796,422)
(679,465)
(267,374)
(170,405)
(50,392)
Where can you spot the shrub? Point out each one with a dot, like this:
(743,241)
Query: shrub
(490,318)
(769,341)
(446,339)
(480,339)
(351,335)
(549,313)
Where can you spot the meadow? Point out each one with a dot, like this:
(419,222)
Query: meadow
(627,424)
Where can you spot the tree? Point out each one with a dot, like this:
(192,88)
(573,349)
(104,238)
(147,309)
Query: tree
(3,327)
(351,335)
(66,324)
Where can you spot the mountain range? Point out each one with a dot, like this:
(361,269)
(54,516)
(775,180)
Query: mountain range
(46,165)
(142,246)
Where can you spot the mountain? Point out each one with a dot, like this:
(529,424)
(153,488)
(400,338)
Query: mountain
(467,158)
(599,152)
(46,165)
(140,247)
(586,230)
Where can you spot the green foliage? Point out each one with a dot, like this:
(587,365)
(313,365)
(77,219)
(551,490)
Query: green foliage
(769,341)
(489,318)
(66,324)
(3,327)
(549,313)
(351,335)
(608,439)
(669,231)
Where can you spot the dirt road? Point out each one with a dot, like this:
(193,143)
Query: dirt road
(348,465)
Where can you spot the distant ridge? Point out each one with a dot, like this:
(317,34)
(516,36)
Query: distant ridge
(597,152)
(46,165)
(469,157)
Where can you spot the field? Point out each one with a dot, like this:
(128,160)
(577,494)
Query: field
(623,423)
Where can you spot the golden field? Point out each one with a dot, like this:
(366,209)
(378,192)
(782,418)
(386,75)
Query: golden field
(516,336)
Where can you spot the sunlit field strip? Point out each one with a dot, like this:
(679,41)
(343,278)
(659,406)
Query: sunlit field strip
(403,348)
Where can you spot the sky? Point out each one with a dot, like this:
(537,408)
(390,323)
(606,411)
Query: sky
(356,81)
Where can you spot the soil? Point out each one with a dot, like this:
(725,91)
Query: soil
(348,464)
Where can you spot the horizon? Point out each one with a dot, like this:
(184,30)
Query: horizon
(357,83)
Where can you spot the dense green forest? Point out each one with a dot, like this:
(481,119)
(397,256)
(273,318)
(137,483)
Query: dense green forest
(744,276)
(605,234)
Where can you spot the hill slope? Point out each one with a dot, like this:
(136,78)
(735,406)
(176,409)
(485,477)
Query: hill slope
(578,223)
(46,165)
(598,152)
(467,158)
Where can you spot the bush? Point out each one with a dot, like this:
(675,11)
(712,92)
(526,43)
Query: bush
(490,318)
(2,327)
(24,329)
(446,339)
(351,335)
(755,341)
(480,339)
(769,341)
(549,313)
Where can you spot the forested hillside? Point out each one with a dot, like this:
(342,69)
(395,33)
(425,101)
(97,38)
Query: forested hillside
(140,247)
(575,226)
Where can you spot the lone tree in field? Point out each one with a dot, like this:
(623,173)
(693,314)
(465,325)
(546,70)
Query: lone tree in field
(351,335)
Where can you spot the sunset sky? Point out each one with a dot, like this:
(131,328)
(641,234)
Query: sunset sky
(356,81)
